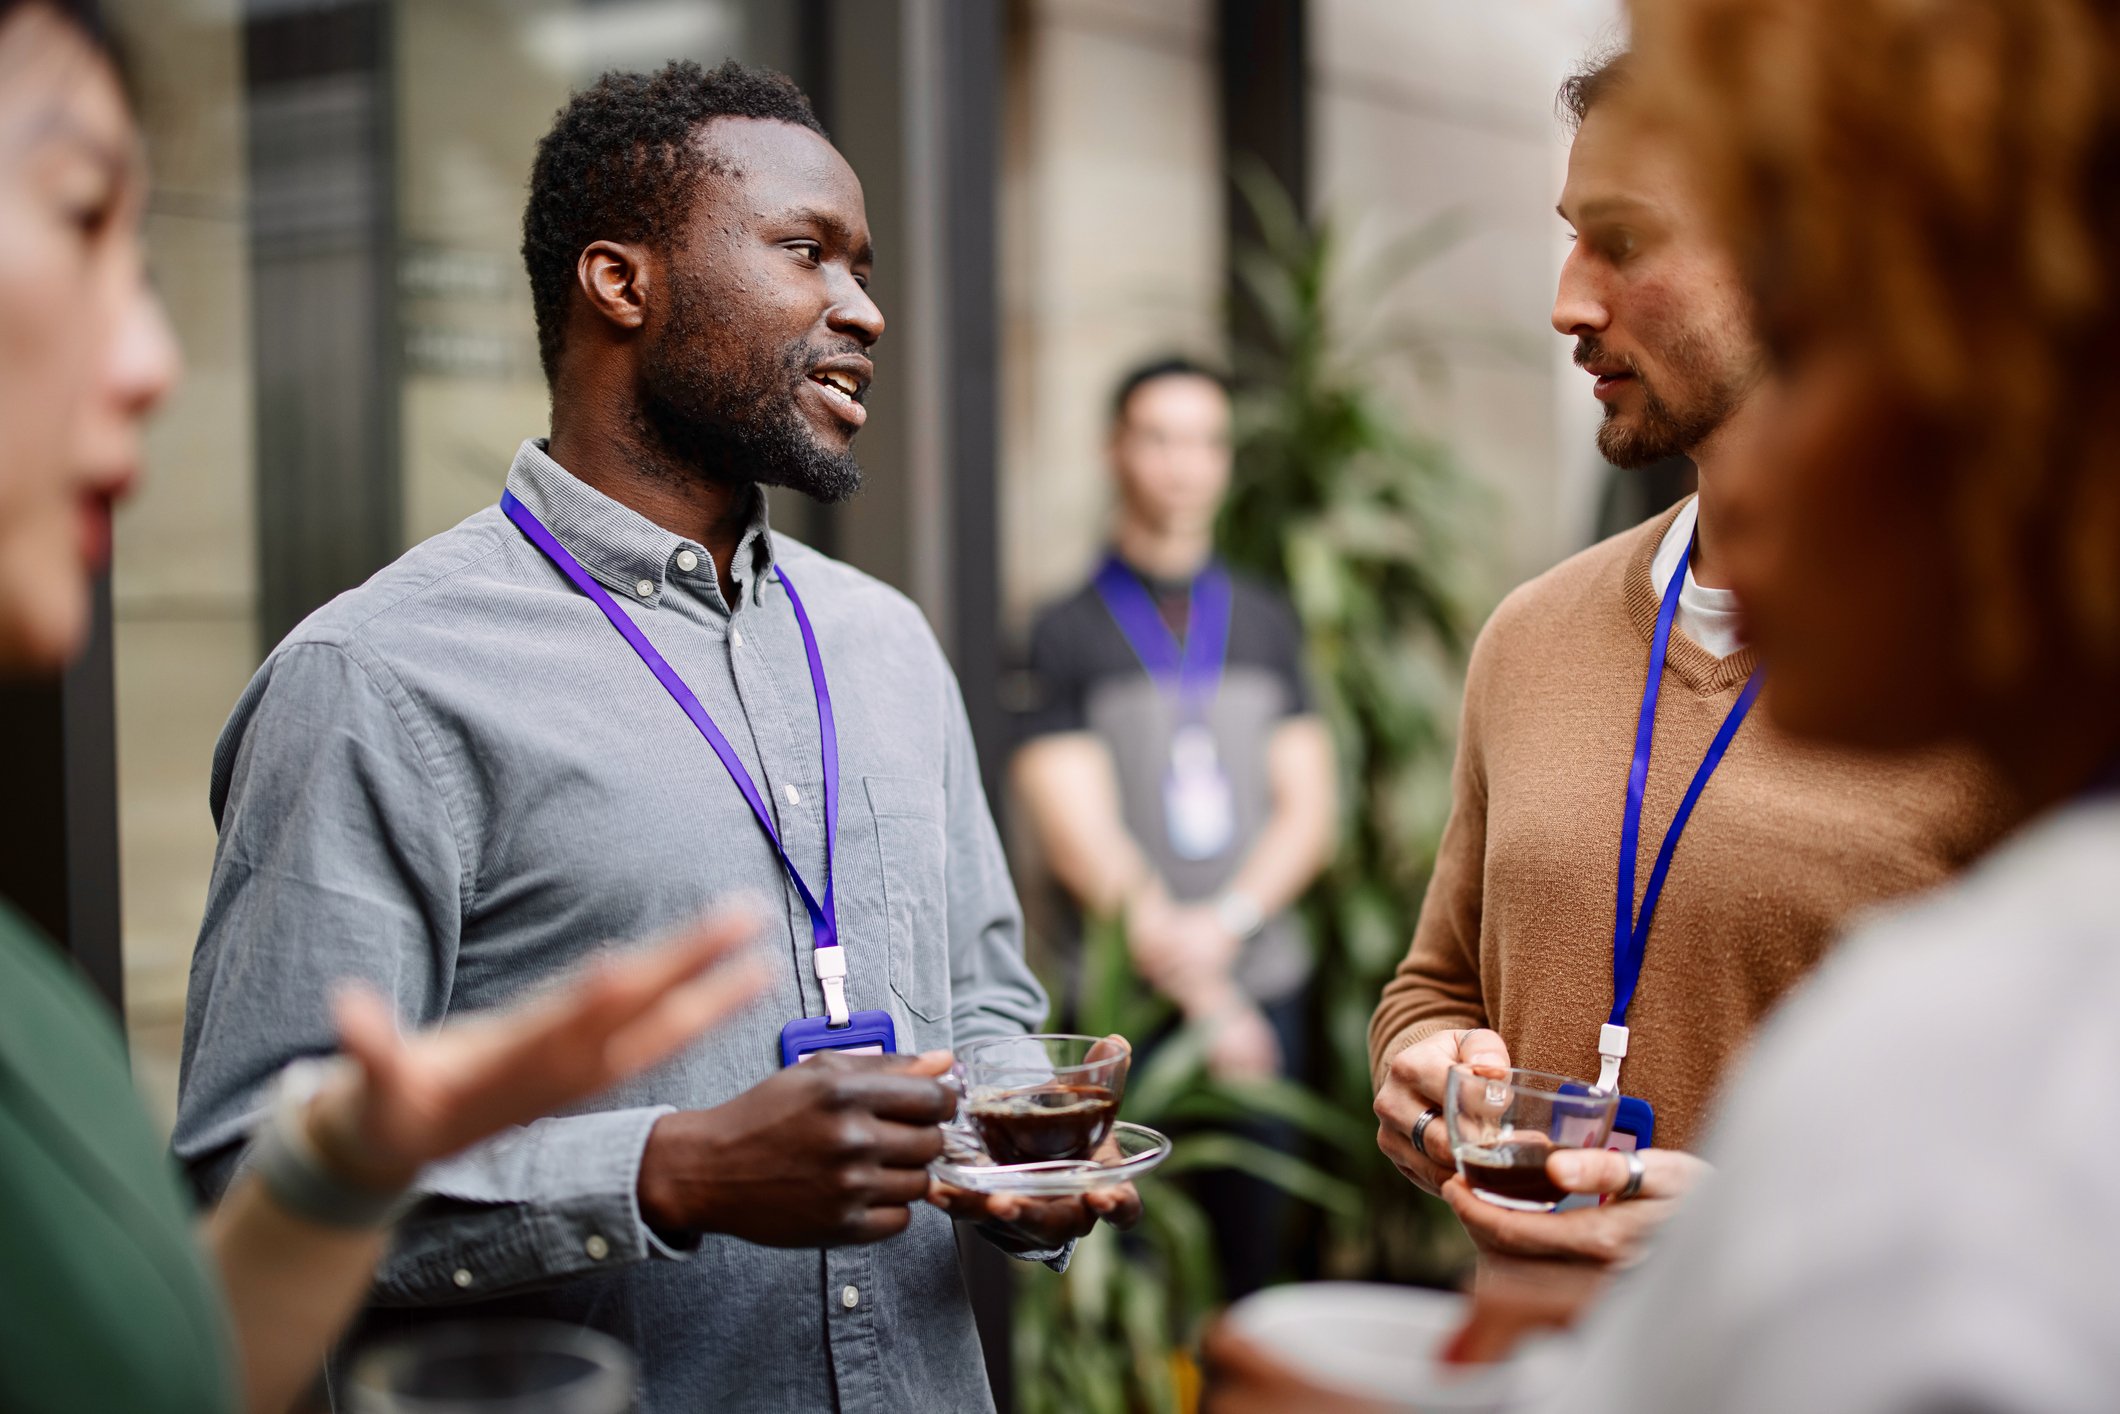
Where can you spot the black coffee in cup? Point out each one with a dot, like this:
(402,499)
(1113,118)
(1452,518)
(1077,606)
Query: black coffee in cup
(1516,1170)
(1045,1123)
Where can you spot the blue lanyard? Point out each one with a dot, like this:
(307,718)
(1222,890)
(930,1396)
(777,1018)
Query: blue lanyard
(824,917)
(1630,942)
(1191,671)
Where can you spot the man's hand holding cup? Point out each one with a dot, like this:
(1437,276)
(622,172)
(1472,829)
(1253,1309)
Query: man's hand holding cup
(1610,1234)
(1411,1099)
(827,1153)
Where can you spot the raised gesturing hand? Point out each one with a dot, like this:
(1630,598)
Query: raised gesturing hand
(405,1101)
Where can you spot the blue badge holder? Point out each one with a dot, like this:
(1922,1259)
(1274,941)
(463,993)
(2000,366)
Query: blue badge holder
(866,1033)
(1637,1118)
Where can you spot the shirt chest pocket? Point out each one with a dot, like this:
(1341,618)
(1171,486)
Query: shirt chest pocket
(911,843)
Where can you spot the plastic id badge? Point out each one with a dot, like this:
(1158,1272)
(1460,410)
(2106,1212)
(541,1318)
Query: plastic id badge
(1634,1127)
(867,1033)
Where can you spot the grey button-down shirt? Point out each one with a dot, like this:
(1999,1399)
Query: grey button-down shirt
(457,780)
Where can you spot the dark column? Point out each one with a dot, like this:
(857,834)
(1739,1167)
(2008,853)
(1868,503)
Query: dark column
(911,90)
(324,302)
(856,51)
(971,179)
(967,131)
(59,843)
(814,64)
(1265,116)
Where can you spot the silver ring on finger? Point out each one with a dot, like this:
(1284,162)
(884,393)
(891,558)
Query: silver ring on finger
(1419,1131)
(1636,1170)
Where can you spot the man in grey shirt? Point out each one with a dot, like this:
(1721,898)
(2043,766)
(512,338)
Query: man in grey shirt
(459,779)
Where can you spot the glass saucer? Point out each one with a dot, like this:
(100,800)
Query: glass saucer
(964,1165)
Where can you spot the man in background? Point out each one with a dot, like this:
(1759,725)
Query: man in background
(1174,770)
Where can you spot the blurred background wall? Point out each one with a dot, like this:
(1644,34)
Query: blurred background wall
(335,219)
(1112,251)
(1116,228)
(185,566)
(1425,106)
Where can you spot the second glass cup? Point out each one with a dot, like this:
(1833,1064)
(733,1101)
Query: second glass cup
(496,1367)
(1043,1098)
(1504,1123)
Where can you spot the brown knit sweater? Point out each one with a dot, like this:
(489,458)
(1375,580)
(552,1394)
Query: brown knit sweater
(1786,841)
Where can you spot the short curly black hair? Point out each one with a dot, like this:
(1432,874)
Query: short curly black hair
(620,165)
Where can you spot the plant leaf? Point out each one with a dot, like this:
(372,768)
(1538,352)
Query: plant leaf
(1284,1171)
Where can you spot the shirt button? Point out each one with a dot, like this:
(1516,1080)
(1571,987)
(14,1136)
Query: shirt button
(461,1276)
(644,588)
(795,798)
(736,638)
(849,1297)
(596,1247)
(687,561)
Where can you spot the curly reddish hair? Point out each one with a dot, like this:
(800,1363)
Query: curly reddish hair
(1936,184)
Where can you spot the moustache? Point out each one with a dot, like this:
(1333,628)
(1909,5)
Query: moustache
(1589,350)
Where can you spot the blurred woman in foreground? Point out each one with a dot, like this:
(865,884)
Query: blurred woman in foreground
(105,1303)
(1916,1171)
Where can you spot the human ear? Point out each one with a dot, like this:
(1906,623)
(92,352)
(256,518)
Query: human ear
(615,278)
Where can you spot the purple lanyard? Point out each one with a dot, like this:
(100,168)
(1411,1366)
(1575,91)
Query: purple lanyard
(1630,943)
(1191,671)
(824,918)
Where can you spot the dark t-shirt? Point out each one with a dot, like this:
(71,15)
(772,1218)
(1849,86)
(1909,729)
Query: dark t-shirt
(1076,647)
(1083,676)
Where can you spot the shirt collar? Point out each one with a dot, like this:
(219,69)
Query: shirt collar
(621,548)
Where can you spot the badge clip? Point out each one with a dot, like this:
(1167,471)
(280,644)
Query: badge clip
(1611,1050)
(830,965)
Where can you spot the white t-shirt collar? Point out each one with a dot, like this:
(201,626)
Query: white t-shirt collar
(1709,617)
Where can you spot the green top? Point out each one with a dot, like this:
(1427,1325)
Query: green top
(105,1302)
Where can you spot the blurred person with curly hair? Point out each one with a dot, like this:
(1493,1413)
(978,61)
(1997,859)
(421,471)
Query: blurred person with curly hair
(1923,199)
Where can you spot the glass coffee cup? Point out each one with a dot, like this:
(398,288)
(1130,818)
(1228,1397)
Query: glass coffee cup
(1505,1123)
(1042,1099)
(496,1367)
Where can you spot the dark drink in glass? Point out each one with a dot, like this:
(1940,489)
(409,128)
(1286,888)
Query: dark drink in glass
(1044,1124)
(1041,1099)
(1504,1124)
(1515,1171)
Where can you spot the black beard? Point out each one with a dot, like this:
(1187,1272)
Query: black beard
(736,424)
(1664,429)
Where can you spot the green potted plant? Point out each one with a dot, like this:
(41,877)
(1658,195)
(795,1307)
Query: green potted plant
(1368,524)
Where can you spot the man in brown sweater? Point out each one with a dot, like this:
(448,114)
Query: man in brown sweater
(1516,958)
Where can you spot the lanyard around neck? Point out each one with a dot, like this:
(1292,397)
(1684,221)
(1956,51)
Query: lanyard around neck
(1630,933)
(1190,671)
(824,916)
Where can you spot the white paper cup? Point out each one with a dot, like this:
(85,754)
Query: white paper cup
(1379,1343)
